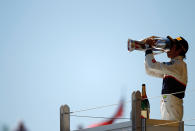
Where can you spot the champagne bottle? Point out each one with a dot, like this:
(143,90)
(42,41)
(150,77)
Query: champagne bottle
(145,105)
(161,45)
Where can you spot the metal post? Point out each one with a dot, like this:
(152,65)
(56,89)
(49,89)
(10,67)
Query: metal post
(64,118)
(136,111)
(181,126)
(143,124)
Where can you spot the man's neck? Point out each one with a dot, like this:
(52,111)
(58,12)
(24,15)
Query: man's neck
(177,58)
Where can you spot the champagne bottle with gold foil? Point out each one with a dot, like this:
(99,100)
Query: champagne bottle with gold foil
(145,105)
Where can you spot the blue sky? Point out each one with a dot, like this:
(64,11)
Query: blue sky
(56,52)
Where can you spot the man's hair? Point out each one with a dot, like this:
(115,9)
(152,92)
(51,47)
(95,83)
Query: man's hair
(182,53)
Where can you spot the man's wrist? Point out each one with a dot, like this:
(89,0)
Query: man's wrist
(148,51)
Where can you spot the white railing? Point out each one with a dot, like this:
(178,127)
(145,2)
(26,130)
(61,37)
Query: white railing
(135,124)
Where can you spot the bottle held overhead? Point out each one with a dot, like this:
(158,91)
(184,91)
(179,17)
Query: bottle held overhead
(161,45)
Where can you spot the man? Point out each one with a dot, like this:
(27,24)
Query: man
(174,74)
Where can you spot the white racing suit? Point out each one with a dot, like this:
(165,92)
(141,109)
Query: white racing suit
(174,74)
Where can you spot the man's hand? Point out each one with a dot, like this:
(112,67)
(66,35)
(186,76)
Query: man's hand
(151,40)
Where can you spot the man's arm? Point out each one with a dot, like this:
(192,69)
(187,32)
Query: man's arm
(168,68)
(148,69)
(152,73)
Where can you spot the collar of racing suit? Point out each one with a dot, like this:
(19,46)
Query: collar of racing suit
(177,58)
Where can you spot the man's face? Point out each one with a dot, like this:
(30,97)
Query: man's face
(174,52)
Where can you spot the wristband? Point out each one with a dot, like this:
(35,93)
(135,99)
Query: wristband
(148,51)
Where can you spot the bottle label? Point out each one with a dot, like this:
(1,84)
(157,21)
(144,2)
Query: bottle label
(144,113)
